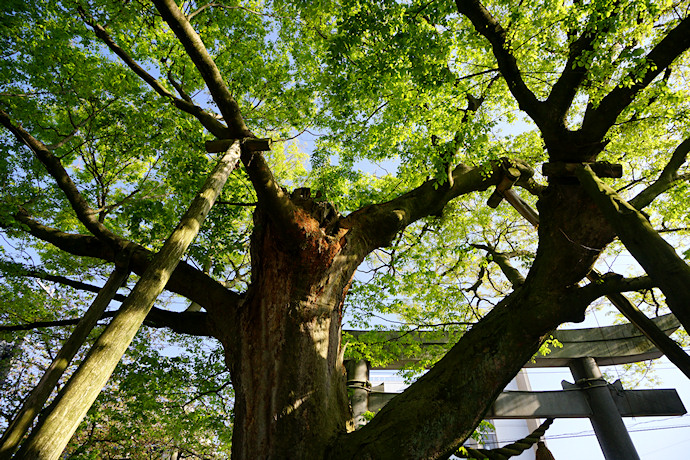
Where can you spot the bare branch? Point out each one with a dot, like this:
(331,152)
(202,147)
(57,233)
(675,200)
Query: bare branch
(489,27)
(503,262)
(21,270)
(191,323)
(207,68)
(185,280)
(207,120)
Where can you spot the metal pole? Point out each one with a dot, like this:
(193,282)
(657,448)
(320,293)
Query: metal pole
(358,384)
(607,422)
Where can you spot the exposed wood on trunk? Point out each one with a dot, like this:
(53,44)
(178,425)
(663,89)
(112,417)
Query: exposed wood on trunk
(283,347)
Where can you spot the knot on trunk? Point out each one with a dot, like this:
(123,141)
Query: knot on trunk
(322,211)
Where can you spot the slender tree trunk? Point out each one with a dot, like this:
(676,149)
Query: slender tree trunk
(49,439)
(39,395)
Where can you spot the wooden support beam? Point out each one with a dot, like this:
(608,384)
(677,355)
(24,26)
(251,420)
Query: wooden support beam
(510,175)
(663,342)
(49,438)
(33,404)
(600,168)
(658,258)
(522,207)
(252,145)
(658,337)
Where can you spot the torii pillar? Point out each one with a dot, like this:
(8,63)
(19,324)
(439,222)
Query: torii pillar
(606,420)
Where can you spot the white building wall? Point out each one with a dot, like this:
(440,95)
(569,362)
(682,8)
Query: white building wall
(507,431)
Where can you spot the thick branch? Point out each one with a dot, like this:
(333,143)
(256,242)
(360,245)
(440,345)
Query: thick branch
(267,189)
(564,90)
(207,120)
(664,343)
(667,178)
(84,212)
(190,323)
(185,280)
(598,120)
(610,285)
(487,25)
(380,223)
(440,410)
(21,270)
(657,257)
(207,68)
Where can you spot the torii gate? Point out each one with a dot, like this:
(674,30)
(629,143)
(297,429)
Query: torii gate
(584,350)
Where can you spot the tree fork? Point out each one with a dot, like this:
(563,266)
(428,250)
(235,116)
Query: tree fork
(49,439)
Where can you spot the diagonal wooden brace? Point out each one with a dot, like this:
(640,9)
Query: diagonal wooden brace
(503,190)
(252,145)
(510,175)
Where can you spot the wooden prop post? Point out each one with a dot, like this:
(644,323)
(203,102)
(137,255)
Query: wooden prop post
(49,439)
(21,424)
(658,258)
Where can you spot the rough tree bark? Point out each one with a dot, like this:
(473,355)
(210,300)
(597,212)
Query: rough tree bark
(284,350)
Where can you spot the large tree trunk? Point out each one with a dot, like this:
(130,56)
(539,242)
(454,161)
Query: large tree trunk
(283,347)
(284,352)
